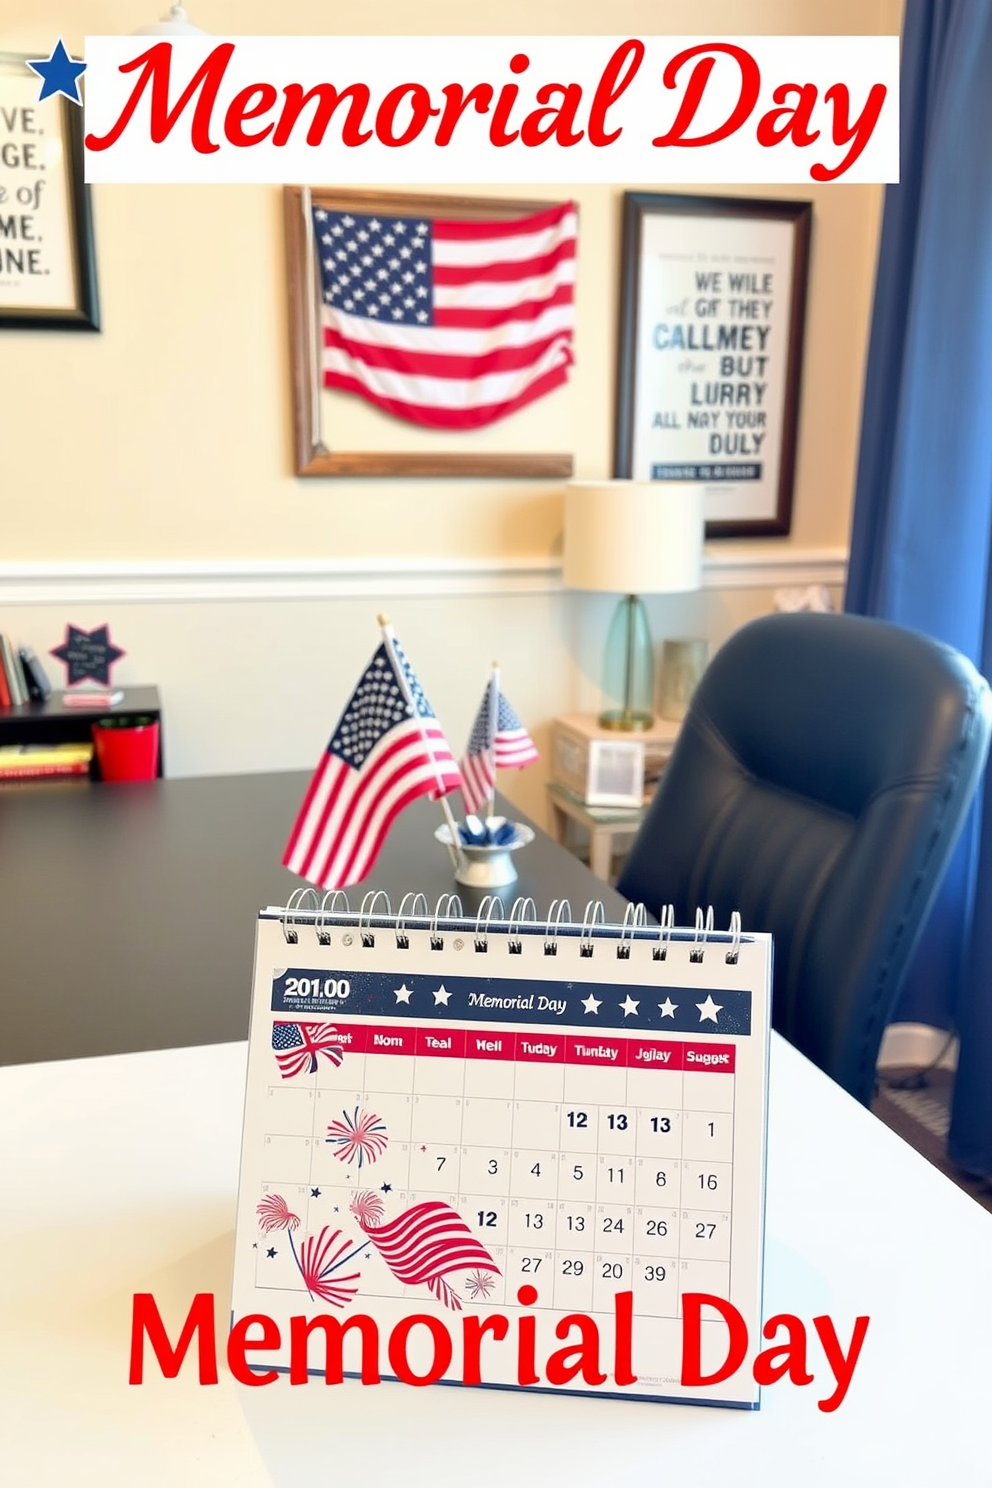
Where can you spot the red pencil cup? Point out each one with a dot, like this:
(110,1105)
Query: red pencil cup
(126,751)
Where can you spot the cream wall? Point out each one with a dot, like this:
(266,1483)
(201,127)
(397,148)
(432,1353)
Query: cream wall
(145,473)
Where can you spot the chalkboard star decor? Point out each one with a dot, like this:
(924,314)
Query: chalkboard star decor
(88,653)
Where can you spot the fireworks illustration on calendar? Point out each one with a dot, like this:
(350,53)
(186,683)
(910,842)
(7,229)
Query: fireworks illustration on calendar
(479,1285)
(360,1137)
(319,1258)
(424,1245)
(297,1045)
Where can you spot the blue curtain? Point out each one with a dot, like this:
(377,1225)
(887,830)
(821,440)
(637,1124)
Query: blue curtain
(920,542)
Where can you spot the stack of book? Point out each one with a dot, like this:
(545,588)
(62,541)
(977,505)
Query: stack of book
(23,763)
(22,676)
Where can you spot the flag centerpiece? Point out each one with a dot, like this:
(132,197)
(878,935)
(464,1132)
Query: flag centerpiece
(387,749)
(447,324)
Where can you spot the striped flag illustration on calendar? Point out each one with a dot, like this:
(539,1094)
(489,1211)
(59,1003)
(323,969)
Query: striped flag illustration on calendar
(423,1245)
(443,323)
(296,1046)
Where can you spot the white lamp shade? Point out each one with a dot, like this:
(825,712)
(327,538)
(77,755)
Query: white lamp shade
(633,537)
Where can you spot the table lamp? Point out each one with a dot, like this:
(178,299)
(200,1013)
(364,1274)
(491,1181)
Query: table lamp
(632,537)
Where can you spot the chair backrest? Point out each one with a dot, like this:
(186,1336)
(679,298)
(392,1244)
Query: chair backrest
(819,782)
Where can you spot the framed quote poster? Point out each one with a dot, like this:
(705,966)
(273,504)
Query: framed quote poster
(47,271)
(713,297)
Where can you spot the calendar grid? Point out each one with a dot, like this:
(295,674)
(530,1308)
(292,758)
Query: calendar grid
(584,1173)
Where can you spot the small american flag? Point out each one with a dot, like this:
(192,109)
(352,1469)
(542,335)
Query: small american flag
(498,741)
(448,324)
(383,754)
(296,1046)
(424,1245)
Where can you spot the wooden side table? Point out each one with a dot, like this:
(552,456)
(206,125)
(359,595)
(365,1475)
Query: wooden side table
(604,825)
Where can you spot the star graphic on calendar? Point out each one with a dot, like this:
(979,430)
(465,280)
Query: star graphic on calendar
(592,1004)
(668,1008)
(404,993)
(442,996)
(709,1009)
(629,1006)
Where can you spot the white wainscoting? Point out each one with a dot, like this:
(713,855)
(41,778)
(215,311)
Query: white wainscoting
(199,581)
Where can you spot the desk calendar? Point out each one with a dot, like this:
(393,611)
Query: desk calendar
(504,1153)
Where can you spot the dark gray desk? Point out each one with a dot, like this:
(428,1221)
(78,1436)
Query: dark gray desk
(127,912)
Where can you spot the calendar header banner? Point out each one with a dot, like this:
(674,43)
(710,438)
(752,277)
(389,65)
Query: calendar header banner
(587,1005)
(360,110)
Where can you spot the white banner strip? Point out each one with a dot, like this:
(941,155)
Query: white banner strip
(373,110)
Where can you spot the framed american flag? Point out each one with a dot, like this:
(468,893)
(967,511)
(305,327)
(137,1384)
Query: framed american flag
(430,335)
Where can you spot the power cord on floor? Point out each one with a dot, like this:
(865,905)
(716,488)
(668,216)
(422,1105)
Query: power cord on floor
(918,1079)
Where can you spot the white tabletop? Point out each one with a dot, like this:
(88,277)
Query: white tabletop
(119,1175)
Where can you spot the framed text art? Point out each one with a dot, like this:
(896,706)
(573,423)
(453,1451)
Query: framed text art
(430,335)
(47,269)
(713,296)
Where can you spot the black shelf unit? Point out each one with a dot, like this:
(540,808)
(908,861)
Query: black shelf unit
(52,722)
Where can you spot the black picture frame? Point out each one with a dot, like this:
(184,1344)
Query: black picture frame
(756,505)
(81,310)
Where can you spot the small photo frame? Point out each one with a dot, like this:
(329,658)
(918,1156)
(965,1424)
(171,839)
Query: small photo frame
(47,266)
(712,310)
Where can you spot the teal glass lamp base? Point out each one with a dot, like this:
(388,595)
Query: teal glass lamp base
(628,671)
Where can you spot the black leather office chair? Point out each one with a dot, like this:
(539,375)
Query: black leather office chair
(819,782)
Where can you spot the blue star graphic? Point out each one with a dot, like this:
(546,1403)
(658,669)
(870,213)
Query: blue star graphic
(59,74)
(271,1252)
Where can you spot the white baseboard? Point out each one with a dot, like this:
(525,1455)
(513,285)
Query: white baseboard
(195,580)
(916,1044)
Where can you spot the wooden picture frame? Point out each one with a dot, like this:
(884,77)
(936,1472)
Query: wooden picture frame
(712,311)
(312,457)
(47,262)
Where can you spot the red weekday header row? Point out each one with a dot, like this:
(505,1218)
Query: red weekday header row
(440,1041)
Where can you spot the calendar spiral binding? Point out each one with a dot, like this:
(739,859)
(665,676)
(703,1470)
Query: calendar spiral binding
(306,910)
